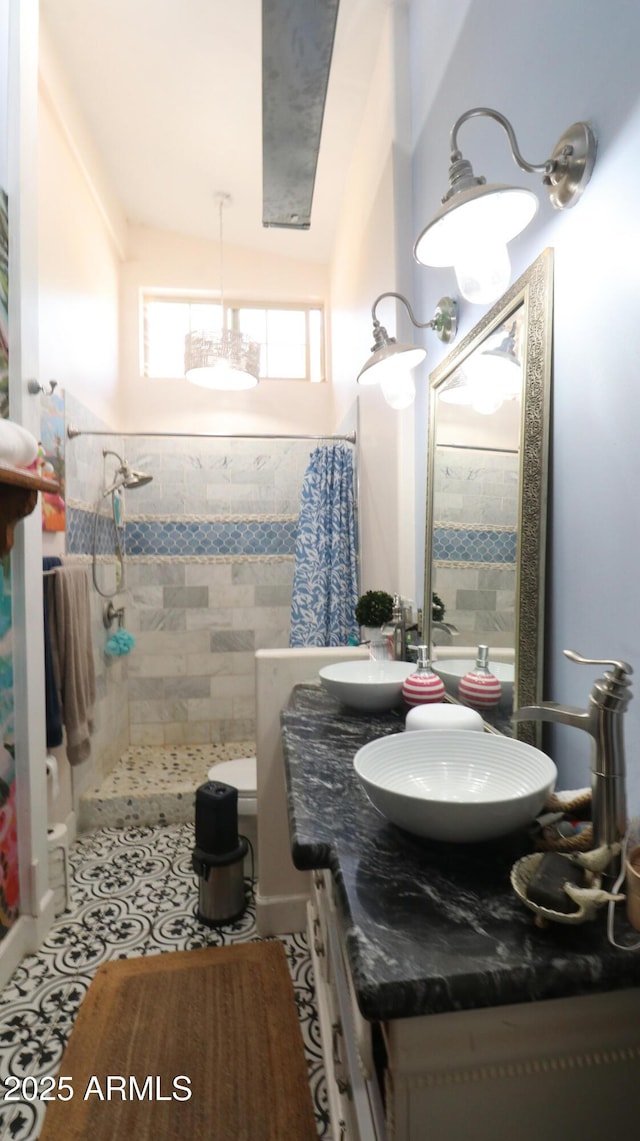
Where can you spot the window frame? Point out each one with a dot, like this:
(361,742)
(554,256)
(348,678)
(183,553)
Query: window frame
(231,310)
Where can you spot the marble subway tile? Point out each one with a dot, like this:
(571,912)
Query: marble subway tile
(273,638)
(168,642)
(157,711)
(495,620)
(212,664)
(207,708)
(163,619)
(146,688)
(497,578)
(185,596)
(153,573)
(214,575)
(232,641)
(229,729)
(233,685)
(270,617)
(243,663)
(186,687)
(232,596)
(273,596)
(274,573)
(205,619)
(146,595)
(244,708)
(146,734)
(476,600)
(158,665)
(188,733)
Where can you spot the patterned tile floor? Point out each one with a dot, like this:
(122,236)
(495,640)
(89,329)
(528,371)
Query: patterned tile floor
(132,892)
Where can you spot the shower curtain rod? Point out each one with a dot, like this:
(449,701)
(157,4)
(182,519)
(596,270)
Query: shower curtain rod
(349,437)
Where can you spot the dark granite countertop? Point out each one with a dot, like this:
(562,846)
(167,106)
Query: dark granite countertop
(429,927)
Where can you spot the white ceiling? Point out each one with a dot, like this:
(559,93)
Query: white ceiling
(171,92)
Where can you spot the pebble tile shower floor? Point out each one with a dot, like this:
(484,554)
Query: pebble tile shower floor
(154,784)
(132,892)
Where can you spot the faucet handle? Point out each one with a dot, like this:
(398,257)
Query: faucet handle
(619,668)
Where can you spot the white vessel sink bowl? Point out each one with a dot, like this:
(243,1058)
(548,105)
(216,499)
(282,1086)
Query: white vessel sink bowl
(455,785)
(366,685)
(452,670)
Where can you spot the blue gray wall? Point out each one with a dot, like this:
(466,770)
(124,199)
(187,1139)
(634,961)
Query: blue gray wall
(546,65)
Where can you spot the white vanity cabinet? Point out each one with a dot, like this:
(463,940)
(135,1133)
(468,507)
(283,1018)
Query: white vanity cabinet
(479,1024)
(560,1069)
(353,1089)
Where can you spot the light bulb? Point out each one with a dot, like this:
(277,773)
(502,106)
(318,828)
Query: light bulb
(501,370)
(483,272)
(398,389)
(487,395)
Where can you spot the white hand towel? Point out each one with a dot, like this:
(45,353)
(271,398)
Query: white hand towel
(17,445)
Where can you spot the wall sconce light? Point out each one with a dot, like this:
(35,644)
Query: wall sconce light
(477,219)
(390,363)
(488,378)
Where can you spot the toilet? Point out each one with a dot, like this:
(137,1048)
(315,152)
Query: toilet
(241,774)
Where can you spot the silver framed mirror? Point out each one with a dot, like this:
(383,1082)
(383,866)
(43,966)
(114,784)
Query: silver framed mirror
(487,470)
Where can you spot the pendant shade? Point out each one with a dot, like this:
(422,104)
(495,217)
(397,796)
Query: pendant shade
(226,360)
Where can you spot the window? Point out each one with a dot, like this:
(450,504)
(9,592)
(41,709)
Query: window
(290,336)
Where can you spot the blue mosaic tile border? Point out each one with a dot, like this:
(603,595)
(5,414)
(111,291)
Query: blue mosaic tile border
(183,537)
(474,545)
(79,527)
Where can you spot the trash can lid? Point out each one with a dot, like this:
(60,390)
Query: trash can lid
(240,773)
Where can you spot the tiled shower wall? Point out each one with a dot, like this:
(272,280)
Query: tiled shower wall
(83,487)
(474,541)
(209,568)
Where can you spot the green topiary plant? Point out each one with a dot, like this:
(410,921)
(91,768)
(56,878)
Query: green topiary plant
(437,608)
(374,608)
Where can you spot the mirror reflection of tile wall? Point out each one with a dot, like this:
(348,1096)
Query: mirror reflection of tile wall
(475,541)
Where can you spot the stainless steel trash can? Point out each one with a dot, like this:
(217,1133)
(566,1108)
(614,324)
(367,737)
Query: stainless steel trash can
(218,855)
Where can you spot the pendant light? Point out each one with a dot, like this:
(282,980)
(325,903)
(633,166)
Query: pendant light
(224,358)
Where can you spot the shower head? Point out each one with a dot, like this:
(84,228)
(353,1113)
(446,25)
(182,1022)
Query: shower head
(126,476)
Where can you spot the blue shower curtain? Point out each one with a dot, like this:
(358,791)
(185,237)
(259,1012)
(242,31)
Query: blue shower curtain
(325,588)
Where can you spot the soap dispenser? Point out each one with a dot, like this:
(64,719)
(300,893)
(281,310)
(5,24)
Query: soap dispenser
(480,687)
(424,685)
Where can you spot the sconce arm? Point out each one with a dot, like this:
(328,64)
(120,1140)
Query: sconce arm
(444,321)
(403,299)
(546,167)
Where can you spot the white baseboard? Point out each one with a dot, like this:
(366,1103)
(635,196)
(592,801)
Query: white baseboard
(25,937)
(281,915)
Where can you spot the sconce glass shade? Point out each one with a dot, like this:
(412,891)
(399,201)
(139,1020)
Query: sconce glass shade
(470,232)
(456,389)
(227,360)
(389,362)
(399,391)
(500,369)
